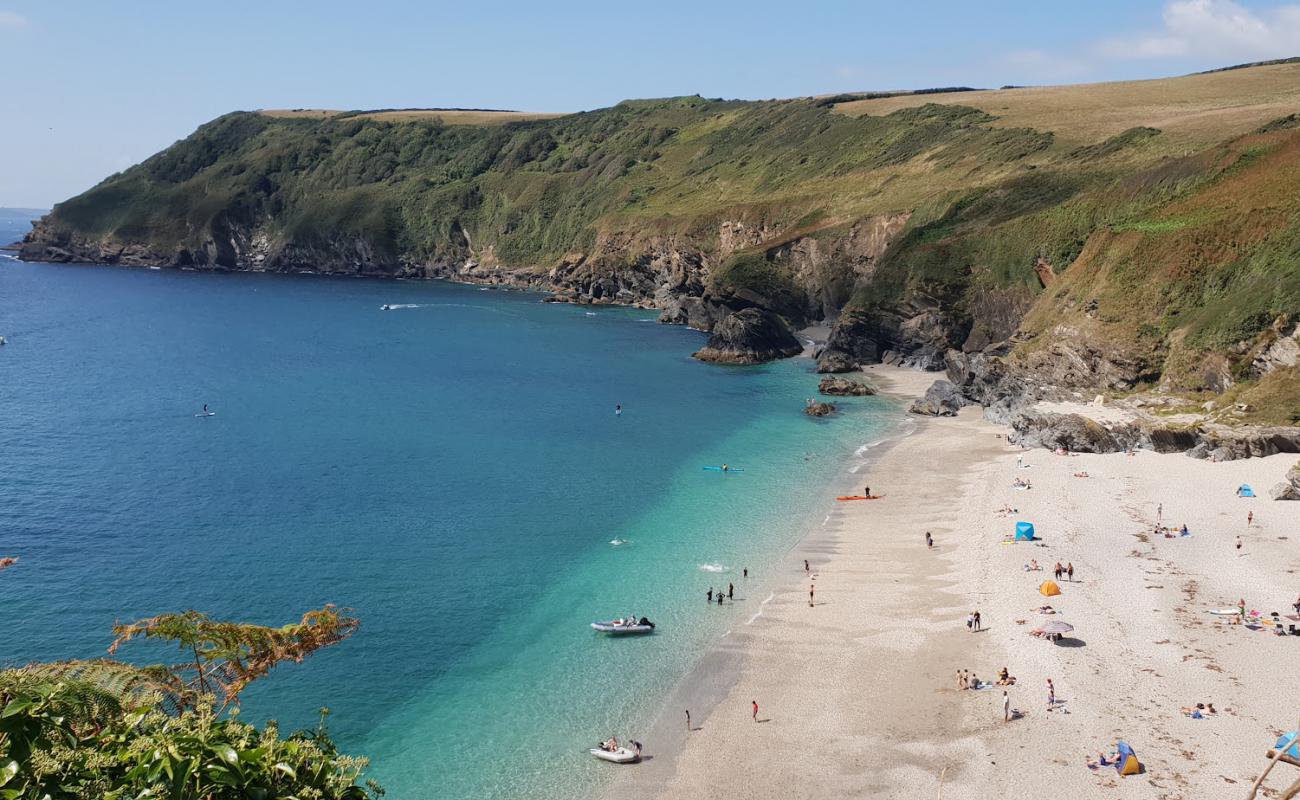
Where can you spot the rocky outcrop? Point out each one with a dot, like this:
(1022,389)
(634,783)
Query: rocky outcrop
(1288,489)
(986,378)
(1073,432)
(1221,443)
(942,399)
(750,336)
(843,387)
(819,409)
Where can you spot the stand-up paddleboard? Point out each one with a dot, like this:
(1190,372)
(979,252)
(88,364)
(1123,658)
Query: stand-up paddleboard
(209,414)
(847,497)
(720,469)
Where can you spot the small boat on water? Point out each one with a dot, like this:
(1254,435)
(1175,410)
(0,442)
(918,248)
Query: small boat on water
(615,753)
(624,626)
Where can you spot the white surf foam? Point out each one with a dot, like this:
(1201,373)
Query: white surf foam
(713,568)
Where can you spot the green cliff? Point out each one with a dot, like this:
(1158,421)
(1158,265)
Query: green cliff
(1117,235)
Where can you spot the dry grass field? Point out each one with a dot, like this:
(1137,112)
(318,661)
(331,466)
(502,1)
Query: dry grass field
(1192,111)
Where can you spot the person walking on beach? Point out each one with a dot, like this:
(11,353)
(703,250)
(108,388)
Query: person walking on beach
(1069,571)
(970,622)
(929,540)
(1051,695)
(1058,570)
(976,619)
(1241,609)
(812,590)
(1160,512)
(1020,462)
(806,570)
(710,594)
(866,491)
(688,720)
(731,591)
(1238,544)
(754,716)
(1250,518)
(1006,706)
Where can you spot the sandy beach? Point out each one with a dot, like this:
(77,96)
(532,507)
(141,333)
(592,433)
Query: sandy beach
(858,695)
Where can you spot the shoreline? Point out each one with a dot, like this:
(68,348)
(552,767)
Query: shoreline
(858,697)
(709,682)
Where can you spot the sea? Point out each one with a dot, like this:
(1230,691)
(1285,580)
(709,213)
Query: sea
(452,470)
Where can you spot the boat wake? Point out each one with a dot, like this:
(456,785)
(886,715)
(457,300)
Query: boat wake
(618,542)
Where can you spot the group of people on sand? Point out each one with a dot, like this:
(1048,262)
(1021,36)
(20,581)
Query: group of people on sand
(967,680)
(1199,711)
(973,621)
(1021,483)
(1067,571)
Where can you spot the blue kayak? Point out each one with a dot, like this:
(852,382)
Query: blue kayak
(720,469)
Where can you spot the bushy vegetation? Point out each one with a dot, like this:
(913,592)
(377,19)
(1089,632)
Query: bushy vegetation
(104,729)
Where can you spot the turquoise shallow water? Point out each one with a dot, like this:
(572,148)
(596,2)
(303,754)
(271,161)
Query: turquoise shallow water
(453,471)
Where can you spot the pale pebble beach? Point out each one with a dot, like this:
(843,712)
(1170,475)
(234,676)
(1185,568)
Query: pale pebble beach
(857,695)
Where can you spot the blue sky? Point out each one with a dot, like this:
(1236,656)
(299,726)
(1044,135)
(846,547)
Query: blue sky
(91,87)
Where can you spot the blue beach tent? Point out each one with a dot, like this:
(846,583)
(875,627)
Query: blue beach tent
(1024,531)
(1127,763)
(1245,491)
(1288,744)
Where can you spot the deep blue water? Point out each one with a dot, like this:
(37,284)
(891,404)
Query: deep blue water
(453,471)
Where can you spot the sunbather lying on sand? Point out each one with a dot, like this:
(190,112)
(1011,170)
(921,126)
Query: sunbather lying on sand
(1082,475)
(1032,566)
(1045,610)
(1102,761)
(1199,710)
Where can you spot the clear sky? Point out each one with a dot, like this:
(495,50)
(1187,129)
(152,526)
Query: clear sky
(91,86)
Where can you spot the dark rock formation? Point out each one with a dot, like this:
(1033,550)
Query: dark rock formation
(987,379)
(1288,489)
(843,387)
(941,400)
(835,361)
(750,336)
(1071,431)
(819,409)
(1222,443)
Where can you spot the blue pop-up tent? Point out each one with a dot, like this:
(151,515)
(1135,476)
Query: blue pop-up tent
(1244,490)
(1024,531)
(1288,744)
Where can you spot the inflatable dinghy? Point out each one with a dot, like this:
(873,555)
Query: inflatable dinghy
(619,627)
(620,756)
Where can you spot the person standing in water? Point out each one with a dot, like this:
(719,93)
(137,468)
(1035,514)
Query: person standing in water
(812,592)
(746,572)
(710,594)
(731,591)
(719,597)
(805,566)
(688,720)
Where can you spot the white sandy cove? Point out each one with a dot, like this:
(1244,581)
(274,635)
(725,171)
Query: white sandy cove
(857,695)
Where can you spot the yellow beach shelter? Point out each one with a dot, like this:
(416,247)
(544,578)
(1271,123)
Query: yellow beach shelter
(1049,589)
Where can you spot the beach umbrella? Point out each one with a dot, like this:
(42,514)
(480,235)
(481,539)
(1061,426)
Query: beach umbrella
(1056,626)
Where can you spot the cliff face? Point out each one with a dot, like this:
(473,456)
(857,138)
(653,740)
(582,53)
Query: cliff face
(1132,260)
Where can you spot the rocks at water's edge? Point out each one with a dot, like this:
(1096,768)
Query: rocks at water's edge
(843,387)
(1073,432)
(750,336)
(819,409)
(1288,489)
(942,399)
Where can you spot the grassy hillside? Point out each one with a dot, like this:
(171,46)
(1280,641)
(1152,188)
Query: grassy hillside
(1161,212)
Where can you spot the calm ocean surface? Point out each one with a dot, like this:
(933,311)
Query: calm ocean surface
(453,471)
